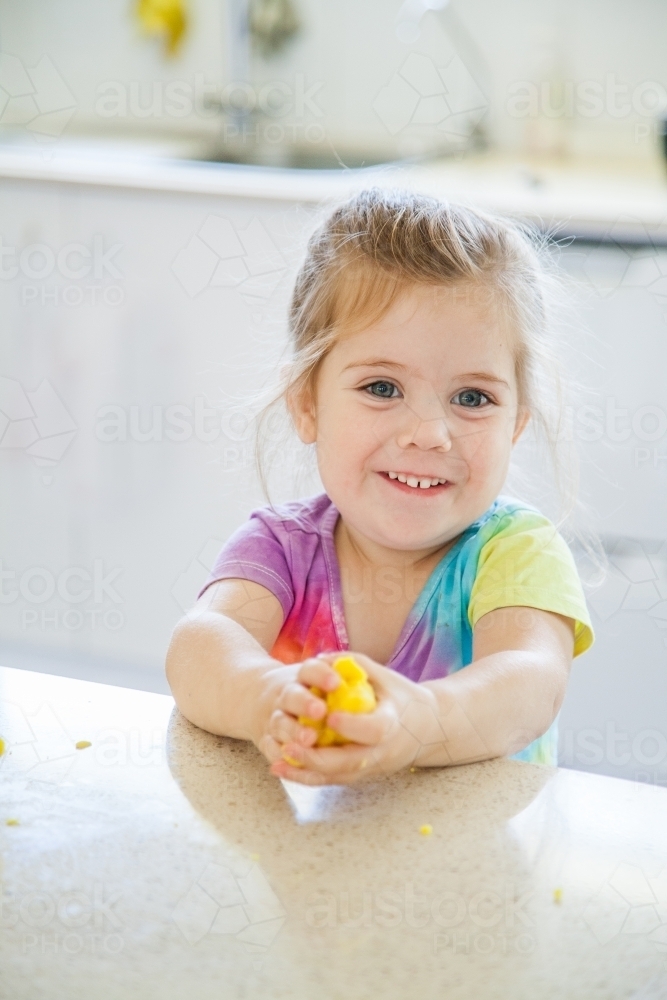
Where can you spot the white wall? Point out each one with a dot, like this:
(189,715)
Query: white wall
(351,49)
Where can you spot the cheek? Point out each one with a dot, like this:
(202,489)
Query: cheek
(346,442)
(486,446)
(338,440)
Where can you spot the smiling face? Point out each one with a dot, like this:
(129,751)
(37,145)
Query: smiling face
(414,418)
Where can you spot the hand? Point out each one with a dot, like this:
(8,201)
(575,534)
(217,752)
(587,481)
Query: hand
(283,696)
(393,736)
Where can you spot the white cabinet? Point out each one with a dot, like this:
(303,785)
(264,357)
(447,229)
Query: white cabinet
(619,354)
(143,321)
(614,718)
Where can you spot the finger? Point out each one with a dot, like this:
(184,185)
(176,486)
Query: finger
(270,747)
(368,728)
(304,777)
(347,769)
(285,729)
(282,769)
(298,700)
(378,675)
(319,673)
(328,761)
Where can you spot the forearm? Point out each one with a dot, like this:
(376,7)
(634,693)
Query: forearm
(491,708)
(214,667)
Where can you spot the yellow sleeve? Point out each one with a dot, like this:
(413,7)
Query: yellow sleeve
(526,563)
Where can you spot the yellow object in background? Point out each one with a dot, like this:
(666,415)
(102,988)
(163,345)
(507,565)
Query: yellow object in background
(166,18)
(353,694)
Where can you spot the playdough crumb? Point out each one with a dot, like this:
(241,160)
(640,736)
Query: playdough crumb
(558,895)
(412,770)
(2,747)
(83,744)
(12,822)
(292,761)
(426,829)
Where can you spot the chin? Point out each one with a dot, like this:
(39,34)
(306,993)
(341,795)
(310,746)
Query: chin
(409,537)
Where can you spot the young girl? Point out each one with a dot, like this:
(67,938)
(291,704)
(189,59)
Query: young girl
(417,332)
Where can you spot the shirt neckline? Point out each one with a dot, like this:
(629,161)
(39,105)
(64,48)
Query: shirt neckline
(418,609)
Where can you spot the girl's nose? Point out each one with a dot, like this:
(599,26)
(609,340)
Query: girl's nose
(427,435)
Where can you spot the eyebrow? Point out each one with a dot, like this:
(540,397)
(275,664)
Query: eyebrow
(486,377)
(374,363)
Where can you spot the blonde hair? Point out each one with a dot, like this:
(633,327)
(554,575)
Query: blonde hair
(380,242)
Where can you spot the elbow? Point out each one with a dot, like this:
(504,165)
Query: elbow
(555,696)
(553,689)
(542,709)
(559,698)
(176,660)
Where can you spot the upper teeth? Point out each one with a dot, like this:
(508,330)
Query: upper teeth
(414,481)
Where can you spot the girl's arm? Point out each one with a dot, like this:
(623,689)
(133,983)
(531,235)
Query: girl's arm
(511,692)
(498,704)
(218,656)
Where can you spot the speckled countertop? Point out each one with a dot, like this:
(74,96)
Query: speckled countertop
(163,862)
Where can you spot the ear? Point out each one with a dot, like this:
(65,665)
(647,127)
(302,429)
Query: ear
(521,422)
(301,406)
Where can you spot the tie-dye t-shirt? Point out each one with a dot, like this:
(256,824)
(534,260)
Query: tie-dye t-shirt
(511,556)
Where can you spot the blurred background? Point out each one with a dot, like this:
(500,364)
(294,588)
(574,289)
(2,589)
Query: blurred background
(161,165)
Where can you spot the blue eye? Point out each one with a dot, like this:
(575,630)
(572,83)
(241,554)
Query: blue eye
(382,390)
(471,398)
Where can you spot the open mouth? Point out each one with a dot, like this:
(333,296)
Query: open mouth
(413,482)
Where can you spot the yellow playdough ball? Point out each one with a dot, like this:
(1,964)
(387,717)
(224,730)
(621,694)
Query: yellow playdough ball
(353,694)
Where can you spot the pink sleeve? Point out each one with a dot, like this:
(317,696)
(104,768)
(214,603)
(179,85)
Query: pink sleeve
(256,552)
